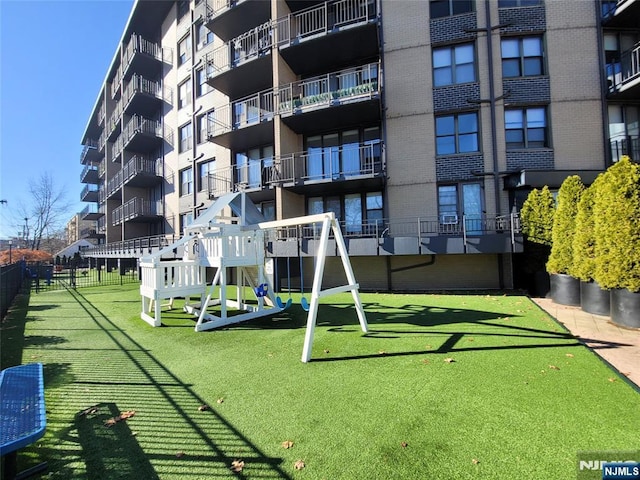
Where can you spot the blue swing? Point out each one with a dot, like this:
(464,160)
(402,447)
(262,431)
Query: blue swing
(303,301)
(279,301)
(262,290)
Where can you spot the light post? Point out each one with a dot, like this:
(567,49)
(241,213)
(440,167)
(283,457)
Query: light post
(10,245)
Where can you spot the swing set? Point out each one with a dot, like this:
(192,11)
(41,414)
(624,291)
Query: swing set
(221,242)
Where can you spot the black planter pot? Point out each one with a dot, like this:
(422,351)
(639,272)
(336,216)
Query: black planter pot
(565,289)
(625,307)
(540,285)
(593,299)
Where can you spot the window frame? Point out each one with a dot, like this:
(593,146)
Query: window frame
(453,65)
(182,103)
(522,57)
(435,5)
(185,142)
(184,58)
(186,181)
(525,129)
(202,183)
(367,215)
(456,134)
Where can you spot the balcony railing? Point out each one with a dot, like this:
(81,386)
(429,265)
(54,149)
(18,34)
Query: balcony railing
(87,171)
(620,74)
(139,84)
(88,192)
(101,114)
(115,83)
(216,7)
(117,148)
(139,124)
(139,164)
(91,209)
(135,208)
(248,46)
(102,141)
(137,44)
(101,224)
(335,88)
(320,20)
(114,118)
(629,145)
(89,149)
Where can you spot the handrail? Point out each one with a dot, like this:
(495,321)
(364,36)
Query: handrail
(625,71)
(135,207)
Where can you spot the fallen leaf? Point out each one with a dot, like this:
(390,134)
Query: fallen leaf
(475,461)
(220,400)
(237,466)
(203,408)
(426,361)
(287,444)
(404,444)
(180,454)
(299,465)
(326,350)
(382,352)
(89,411)
(449,360)
(428,347)
(570,355)
(127,414)
(553,367)
(611,379)
(123,416)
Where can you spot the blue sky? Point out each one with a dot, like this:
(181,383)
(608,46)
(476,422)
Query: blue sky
(54,56)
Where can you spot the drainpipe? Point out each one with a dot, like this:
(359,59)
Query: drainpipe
(603,88)
(492,106)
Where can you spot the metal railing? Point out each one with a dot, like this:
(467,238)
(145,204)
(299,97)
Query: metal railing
(359,83)
(102,112)
(115,83)
(86,170)
(246,47)
(629,145)
(91,208)
(140,124)
(89,145)
(136,165)
(89,188)
(322,19)
(139,84)
(102,140)
(137,44)
(114,118)
(101,224)
(134,208)
(141,245)
(627,70)
(216,7)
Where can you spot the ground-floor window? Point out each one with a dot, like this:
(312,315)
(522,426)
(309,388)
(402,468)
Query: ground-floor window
(358,213)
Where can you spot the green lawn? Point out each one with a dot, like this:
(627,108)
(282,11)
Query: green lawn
(442,387)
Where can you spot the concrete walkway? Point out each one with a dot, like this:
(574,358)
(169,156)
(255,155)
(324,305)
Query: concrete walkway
(617,345)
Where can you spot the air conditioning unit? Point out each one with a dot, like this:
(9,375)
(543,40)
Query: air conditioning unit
(449,219)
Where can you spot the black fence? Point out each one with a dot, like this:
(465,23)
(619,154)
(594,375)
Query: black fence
(11,277)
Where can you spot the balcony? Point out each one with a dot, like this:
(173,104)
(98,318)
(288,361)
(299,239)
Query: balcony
(141,56)
(137,210)
(629,145)
(620,14)
(102,142)
(101,225)
(91,212)
(623,79)
(242,65)
(245,120)
(90,233)
(329,34)
(90,174)
(101,114)
(113,127)
(309,105)
(144,96)
(347,166)
(116,84)
(229,18)
(140,171)
(410,236)
(89,193)
(90,152)
(142,134)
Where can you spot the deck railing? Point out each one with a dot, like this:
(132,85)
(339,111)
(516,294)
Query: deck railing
(136,207)
(137,44)
(136,165)
(624,72)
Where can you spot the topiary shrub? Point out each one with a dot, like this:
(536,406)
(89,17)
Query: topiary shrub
(584,241)
(617,227)
(564,226)
(536,216)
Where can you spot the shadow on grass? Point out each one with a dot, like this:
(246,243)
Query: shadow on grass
(179,436)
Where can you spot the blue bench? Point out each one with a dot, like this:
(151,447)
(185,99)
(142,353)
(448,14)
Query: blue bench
(22,414)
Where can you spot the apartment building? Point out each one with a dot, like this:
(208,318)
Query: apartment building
(422,124)
(77,228)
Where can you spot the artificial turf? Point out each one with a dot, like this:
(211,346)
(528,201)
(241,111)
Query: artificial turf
(442,386)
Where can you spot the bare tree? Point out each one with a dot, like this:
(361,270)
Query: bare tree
(47,210)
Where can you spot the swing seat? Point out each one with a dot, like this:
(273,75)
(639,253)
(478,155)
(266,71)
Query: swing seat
(261,290)
(282,305)
(305,304)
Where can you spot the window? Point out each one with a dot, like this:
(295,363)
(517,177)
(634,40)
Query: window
(359,213)
(186,181)
(253,166)
(448,203)
(457,202)
(186,137)
(453,65)
(526,128)
(184,50)
(457,133)
(185,220)
(202,74)
(183,8)
(203,122)
(518,3)
(184,94)
(521,57)
(204,169)
(204,36)
(446,8)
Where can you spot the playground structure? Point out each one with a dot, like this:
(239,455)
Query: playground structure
(222,242)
